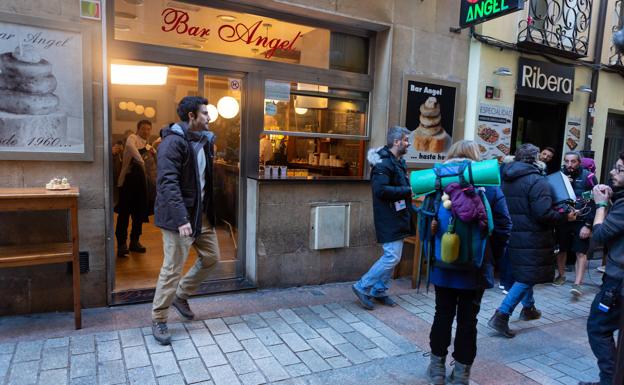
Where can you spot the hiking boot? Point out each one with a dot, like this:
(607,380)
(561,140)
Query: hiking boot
(386,300)
(560,280)
(460,374)
(436,371)
(182,306)
(530,313)
(161,333)
(363,299)
(137,247)
(576,290)
(500,323)
(122,251)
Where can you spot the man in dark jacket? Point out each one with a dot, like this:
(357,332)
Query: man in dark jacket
(184,211)
(391,209)
(531,244)
(574,236)
(607,306)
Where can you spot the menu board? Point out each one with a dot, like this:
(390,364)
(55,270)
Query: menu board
(573,133)
(494,130)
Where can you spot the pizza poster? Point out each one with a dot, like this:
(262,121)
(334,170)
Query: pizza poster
(573,134)
(429,113)
(494,130)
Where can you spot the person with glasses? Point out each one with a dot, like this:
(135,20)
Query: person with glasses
(606,309)
(185,211)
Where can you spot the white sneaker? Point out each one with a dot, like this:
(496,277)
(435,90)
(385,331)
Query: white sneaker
(600,269)
(505,292)
(501,287)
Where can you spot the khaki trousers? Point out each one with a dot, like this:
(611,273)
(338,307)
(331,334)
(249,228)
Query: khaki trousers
(176,250)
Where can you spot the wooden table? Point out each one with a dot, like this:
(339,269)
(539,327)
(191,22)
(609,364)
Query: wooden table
(40,199)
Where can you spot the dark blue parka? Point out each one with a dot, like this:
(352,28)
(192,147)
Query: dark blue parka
(530,205)
(390,184)
(178,188)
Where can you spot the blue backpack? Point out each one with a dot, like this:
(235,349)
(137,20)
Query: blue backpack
(448,242)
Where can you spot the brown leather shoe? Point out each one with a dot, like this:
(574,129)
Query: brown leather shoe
(182,306)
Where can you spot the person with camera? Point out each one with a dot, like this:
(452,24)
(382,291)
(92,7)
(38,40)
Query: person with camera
(574,236)
(607,306)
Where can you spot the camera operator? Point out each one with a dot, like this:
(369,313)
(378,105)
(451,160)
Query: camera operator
(574,236)
(605,310)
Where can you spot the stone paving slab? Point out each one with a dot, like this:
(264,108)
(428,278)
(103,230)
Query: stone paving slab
(333,343)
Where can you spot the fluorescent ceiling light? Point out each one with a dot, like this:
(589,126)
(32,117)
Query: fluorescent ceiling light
(126,15)
(138,75)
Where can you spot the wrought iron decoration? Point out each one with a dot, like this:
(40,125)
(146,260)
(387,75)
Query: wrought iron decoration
(617,43)
(558,25)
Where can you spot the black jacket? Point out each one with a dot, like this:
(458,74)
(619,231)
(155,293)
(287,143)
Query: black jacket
(611,233)
(530,205)
(178,188)
(390,184)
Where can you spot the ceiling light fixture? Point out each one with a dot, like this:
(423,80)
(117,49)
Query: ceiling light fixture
(229,18)
(134,2)
(186,7)
(228,107)
(139,75)
(503,71)
(122,28)
(126,15)
(191,45)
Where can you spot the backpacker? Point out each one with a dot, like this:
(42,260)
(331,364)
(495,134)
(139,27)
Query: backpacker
(448,241)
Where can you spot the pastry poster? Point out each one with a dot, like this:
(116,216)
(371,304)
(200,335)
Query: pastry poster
(41,90)
(573,134)
(429,113)
(494,130)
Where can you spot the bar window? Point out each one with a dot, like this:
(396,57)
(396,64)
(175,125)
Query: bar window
(312,130)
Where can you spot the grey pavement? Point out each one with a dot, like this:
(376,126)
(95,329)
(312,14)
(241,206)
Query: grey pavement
(333,341)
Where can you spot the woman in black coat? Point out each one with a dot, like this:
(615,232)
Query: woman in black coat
(531,244)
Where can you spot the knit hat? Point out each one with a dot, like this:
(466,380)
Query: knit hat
(527,153)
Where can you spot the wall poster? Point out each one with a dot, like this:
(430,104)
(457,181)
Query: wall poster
(494,130)
(44,91)
(428,111)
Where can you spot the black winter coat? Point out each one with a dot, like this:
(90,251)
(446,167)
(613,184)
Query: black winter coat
(390,184)
(178,188)
(530,205)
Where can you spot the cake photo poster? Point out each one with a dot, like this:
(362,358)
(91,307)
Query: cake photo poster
(573,133)
(494,130)
(428,111)
(41,91)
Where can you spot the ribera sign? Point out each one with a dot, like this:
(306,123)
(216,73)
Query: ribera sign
(545,80)
(477,11)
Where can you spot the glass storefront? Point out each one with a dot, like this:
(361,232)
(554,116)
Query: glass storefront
(286,100)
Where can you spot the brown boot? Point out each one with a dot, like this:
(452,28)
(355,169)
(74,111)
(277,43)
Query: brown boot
(500,323)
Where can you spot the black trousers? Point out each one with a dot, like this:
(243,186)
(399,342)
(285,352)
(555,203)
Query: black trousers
(121,230)
(466,305)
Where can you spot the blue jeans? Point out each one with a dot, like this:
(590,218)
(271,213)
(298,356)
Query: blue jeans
(375,282)
(600,329)
(519,292)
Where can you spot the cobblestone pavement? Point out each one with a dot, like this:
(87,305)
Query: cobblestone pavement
(335,342)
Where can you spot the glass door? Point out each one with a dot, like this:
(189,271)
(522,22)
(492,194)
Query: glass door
(224,94)
(137,105)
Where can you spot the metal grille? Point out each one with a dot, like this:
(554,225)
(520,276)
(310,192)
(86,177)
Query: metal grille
(617,59)
(559,26)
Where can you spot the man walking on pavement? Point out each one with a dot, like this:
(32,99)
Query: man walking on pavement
(392,214)
(574,236)
(606,309)
(184,211)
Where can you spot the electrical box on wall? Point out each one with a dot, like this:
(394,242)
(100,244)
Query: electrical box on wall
(329,227)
